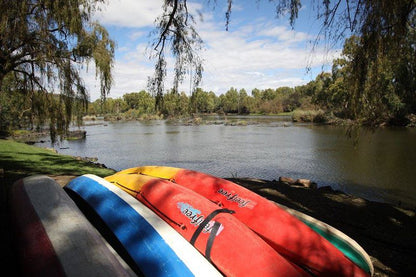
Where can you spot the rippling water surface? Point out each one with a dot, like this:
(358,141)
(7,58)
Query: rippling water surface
(381,167)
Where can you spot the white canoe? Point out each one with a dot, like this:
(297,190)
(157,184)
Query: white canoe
(53,236)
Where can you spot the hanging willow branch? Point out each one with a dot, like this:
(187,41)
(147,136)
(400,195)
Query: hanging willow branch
(176,32)
(176,35)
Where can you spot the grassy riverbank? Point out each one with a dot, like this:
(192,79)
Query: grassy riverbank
(19,160)
(384,231)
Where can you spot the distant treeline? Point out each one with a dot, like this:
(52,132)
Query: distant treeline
(268,101)
(324,99)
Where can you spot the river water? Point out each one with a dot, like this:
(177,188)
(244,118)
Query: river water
(380,167)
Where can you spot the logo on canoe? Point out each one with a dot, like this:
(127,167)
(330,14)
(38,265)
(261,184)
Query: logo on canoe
(196,217)
(233,197)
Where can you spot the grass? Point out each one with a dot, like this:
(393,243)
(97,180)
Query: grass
(21,160)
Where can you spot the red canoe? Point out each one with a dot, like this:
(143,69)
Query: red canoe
(230,245)
(284,232)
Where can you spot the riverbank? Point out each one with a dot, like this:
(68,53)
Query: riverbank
(316,116)
(384,231)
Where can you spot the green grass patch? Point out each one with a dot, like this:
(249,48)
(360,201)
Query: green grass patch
(285,113)
(20,133)
(20,160)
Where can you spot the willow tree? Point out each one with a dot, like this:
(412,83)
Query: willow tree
(44,46)
(381,58)
(384,29)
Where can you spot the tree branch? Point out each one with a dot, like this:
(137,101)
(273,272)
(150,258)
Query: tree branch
(166,29)
(228,14)
(32,78)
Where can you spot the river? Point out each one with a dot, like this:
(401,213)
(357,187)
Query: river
(380,167)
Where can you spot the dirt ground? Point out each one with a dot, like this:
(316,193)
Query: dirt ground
(386,232)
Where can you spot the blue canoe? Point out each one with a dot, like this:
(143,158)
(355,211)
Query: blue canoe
(155,247)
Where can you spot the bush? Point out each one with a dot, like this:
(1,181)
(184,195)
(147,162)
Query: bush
(309,116)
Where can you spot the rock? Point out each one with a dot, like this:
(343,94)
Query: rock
(51,149)
(412,120)
(287,180)
(91,159)
(299,182)
(86,159)
(74,135)
(306,183)
(326,189)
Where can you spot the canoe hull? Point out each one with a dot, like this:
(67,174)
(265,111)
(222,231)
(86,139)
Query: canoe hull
(53,236)
(347,245)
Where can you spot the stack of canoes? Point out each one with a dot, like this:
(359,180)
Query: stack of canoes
(166,221)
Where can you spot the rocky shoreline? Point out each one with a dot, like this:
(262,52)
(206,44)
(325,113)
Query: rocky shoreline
(32,137)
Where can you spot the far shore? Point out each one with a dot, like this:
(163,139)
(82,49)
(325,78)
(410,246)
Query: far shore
(385,231)
(317,117)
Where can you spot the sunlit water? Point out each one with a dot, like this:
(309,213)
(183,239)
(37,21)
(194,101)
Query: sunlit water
(381,167)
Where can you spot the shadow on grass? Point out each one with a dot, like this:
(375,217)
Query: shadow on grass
(21,164)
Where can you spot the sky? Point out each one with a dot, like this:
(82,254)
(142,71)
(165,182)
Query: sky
(258,51)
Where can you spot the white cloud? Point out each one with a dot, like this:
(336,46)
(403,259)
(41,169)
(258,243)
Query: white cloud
(136,35)
(283,33)
(128,77)
(255,56)
(130,13)
(130,73)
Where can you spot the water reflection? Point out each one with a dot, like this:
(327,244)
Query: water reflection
(381,166)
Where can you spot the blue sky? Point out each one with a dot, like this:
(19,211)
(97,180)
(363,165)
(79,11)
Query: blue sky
(259,50)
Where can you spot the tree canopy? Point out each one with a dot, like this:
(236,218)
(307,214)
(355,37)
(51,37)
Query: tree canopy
(44,45)
(384,30)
